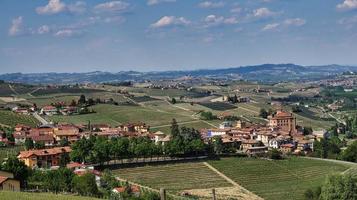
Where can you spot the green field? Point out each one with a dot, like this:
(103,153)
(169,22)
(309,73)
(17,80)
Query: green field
(116,115)
(174,177)
(5,195)
(284,179)
(9,118)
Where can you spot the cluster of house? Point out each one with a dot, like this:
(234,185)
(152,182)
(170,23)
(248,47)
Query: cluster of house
(50,110)
(50,136)
(280,133)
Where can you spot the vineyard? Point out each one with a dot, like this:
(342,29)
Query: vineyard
(285,179)
(220,106)
(39,196)
(174,177)
(9,118)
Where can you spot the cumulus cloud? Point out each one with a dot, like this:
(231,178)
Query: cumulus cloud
(154,2)
(43,29)
(67,33)
(211,4)
(112,6)
(295,22)
(263,13)
(170,21)
(269,27)
(16,27)
(347,5)
(56,6)
(214,20)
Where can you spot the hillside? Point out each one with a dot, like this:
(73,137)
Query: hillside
(263,73)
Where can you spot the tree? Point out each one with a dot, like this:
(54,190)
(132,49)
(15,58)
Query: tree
(263,113)
(350,154)
(85,185)
(339,187)
(217,145)
(73,103)
(173,101)
(39,145)
(29,144)
(307,131)
(64,142)
(58,180)
(208,115)
(82,100)
(91,102)
(17,167)
(275,154)
(64,160)
(174,129)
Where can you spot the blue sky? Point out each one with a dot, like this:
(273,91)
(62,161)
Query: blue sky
(151,35)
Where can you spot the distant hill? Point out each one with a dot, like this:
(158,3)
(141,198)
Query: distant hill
(262,73)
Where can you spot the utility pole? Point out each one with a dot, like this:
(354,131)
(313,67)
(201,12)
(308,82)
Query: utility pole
(213,194)
(162,194)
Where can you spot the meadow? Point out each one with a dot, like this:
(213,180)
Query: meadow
(7,195)
(282,179)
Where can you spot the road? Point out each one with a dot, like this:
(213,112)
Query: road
(40,119)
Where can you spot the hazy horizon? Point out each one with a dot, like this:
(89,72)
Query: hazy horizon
(168,35)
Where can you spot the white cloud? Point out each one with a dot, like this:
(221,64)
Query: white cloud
(213,20)
(269,27)
(263,13)
(16,27)
(67,33)
(112,6)
(43,29)
(170,21)
(56,6)
(347,5)
(236,10)
(154,2)
(211,4)
(295,22)
(53,7)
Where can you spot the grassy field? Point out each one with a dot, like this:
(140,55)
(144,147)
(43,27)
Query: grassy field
(285,179)
(116,115)
(174,177)
(9,151)
(5,195)
(9,118)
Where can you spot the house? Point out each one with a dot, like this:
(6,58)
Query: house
(43,158)
(276,142)
(217,132)
(247,144)
(47,140)
(75,166)
(161,138)
(136,127)
(7,182)
(100,127)
(321,134)
(20,137)
(23,111)
(283,120)
(264,137)
(71,133)
(49,110)
(305,145)
(287,148)
(256,151)
(133,189)
(89,170)
(226,125)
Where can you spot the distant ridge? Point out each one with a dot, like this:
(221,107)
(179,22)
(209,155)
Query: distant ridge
(262,73)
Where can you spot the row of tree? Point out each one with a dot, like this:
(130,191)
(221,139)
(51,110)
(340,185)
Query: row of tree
(184,142)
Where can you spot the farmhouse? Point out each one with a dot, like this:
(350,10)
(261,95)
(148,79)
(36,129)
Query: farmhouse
(43,157)
(7,182)
(49,110)
(71,133)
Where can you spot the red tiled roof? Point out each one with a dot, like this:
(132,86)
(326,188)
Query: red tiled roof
(3,179)
(42,152)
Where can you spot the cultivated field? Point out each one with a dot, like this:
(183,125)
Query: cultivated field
(6,152)
(9,118)
(285,179)
(5,195)
(174,177)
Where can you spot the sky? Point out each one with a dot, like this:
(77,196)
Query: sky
(156,35)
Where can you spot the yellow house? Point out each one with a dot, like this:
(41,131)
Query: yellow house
(7,182)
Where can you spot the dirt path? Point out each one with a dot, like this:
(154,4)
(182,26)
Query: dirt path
(251,194)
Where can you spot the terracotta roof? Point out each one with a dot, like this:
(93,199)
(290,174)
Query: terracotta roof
(38,138)
(287,145)
(133,188)
(250,142)
(74,165)
(43,152)
(67,131)
(49,108)
(3,179)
